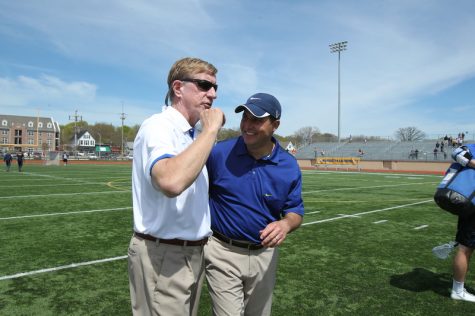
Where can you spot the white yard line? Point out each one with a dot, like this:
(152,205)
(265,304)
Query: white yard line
(381,221)
(364,213)
(421,227)
(74,265)
(69,266)
(50,185)
(312,212)
(66,213)
(60,194)
(369,187)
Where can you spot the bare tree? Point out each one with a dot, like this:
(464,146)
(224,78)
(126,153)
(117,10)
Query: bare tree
(409,134)
(305,135)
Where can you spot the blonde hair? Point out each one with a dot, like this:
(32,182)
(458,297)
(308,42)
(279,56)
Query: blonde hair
(185,68)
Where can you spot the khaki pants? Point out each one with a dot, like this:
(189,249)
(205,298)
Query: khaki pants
(240,281)
(164,279)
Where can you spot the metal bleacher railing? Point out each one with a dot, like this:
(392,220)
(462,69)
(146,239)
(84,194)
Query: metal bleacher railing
(377,150)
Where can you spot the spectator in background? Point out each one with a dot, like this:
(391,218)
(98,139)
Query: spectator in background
(20,158)
(65,158)
(170,194)
(435,153)
(416,153)
(8,161)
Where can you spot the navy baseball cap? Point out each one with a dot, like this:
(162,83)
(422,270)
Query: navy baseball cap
(261,105)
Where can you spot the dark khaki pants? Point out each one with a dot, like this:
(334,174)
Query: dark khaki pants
(240,281)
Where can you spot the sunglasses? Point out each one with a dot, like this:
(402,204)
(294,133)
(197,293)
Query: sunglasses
(204,85)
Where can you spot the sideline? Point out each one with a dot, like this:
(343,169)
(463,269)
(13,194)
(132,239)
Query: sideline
(69,266)
(67,213)
(74,265)
(60,194)
(364,213)
(370,187)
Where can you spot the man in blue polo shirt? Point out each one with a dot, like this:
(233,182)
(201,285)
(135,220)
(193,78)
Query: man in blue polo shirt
(255,201)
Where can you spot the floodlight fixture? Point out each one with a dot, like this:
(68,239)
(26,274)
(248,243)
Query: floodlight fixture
(338,48)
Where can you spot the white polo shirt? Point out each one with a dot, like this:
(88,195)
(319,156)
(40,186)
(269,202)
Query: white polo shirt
(184,217)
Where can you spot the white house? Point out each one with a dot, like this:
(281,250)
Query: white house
(84,141)
(289,147)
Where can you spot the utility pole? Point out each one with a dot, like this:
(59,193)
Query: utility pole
(338,47)
(75,117)
(122,117)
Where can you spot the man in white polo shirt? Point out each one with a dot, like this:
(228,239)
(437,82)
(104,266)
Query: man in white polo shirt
(170,194)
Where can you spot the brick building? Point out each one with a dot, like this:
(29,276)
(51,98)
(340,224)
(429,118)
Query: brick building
(29,134)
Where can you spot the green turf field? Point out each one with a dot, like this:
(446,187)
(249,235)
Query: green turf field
(364,248)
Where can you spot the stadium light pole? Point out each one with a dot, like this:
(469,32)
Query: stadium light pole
(334,48)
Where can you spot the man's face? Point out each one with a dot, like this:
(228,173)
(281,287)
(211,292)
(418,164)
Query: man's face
(257,132)
(195,97)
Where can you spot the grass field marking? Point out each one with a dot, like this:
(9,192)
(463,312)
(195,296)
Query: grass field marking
(60,194)
(421,227)
(368,212)
(111,183)
(368,173)
(53,177)
(50,185)
(66,213)
(346,215)
(312,212)
(69,266)
(381,221)
(370,187)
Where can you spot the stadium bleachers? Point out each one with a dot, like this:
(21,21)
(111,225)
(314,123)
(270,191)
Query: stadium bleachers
(376,150)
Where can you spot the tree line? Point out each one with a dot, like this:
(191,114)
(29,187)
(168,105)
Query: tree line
(112,135)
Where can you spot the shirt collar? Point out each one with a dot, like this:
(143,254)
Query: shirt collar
(179,119)
(273,157)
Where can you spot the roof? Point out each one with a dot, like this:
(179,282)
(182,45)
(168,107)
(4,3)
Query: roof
(24,120)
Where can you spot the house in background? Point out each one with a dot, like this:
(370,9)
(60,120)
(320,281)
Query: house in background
(29,134)
(84,142)
(289,147)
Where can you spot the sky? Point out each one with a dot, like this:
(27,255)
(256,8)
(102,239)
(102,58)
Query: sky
(407,63)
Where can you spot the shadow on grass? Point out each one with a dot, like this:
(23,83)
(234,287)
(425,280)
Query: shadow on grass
(421,280)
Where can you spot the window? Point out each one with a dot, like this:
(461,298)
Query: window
(31,141)
(40,124)
(30,124)
(31,133)
(4,123)
(49,125)
(4,132)
(18,140)
(4,140)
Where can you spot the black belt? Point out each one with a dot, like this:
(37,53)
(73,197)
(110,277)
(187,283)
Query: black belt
(176,242)
(237,243)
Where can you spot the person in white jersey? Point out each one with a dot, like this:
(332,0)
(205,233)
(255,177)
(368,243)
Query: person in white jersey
(170,194)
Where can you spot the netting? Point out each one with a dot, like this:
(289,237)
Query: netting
(52,158)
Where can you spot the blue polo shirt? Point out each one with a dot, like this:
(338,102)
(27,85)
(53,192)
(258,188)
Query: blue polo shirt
(247,194)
